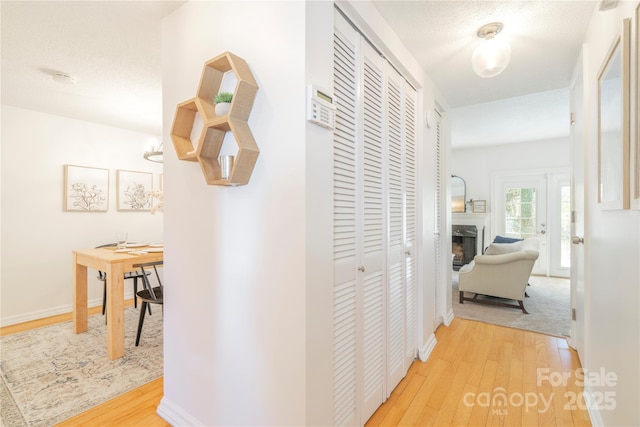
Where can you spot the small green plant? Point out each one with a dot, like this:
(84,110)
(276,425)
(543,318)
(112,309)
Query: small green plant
(223,97)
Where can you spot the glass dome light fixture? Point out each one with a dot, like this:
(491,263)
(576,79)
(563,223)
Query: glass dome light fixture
(492,56)
(154,154)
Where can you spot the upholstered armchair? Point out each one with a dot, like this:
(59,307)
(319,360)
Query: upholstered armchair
(503,271)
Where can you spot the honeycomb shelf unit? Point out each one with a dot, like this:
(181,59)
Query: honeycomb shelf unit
(209,144)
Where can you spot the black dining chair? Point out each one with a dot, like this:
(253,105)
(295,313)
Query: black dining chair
(135,275)
(150,294)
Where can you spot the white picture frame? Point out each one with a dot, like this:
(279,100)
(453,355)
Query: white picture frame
(634,185)
(613,124)
(479,206)
(86,189)
(134,192)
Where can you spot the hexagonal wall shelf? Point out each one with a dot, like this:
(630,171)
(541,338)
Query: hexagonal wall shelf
(211,80)
(181,130)
(209,149)
(216,127)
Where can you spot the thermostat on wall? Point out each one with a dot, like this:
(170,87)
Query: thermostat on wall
(321,109)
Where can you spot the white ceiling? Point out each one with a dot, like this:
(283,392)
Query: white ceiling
(545,39)
(114,49)
(529,101)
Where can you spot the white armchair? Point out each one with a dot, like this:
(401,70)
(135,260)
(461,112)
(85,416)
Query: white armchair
(503,271)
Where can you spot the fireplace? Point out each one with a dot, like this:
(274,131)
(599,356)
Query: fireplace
(463,244)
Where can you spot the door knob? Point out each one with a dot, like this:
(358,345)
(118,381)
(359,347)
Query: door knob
(408,253)
(577,240)
(543,231)
(361,268)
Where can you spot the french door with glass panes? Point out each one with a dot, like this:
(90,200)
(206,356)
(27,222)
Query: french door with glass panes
(537,205)
(374,330)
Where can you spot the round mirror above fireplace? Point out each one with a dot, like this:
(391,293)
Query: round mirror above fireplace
(458,194)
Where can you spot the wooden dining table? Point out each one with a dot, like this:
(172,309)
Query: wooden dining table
(114,264)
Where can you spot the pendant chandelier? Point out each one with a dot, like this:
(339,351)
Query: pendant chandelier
(154,154)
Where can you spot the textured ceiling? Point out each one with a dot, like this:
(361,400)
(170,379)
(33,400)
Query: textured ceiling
(545,38)
(114,48)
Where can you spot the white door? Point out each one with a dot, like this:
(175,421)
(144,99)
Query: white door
(559,228)
(346,370)
(410,226)
(401,214)
(577,206)
(521,211)
(371,234)
(396,226)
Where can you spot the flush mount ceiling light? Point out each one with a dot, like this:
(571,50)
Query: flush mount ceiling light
(154,154)
(65,78)
(492,56)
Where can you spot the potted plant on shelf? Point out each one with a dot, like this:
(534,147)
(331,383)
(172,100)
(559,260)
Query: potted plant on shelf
(223,102)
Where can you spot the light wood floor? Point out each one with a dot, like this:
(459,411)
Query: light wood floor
(475,362)
(472,363)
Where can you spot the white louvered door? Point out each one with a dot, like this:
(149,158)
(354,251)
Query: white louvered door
(410,100)
(371,212)
(396,224)
(401,198)
(374,322)
(439,169)
(345,294)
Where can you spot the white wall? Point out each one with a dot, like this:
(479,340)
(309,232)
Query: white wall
(37,235)
(612,251)
(235,262)
(476,165)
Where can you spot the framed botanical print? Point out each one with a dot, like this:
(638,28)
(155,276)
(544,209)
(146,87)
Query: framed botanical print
(86,189)
(613,124)
(134,190)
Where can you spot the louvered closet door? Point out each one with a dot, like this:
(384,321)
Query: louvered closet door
(439,170)
(371,212)
(374,227)
(396,226)
(410,115)
(346,328)
(401,194)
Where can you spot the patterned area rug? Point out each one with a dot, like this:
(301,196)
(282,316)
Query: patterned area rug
(548,305)
(51,374)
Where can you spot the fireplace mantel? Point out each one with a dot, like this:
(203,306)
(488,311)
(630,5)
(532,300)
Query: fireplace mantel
(481,220)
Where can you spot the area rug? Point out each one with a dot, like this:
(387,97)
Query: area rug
(548,305)
(51,374)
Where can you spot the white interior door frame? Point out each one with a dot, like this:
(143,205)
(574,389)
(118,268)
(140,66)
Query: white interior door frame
(579,334)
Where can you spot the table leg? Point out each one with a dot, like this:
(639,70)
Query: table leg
(115,311)
(80,311)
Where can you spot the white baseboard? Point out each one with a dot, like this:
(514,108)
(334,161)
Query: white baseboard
(174,415)
(592,407)
(449,317)
(427,348)
(48,312)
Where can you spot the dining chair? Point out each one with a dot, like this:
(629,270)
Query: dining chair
(150,294)
(135,275)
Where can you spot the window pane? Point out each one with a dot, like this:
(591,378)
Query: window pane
(520,212)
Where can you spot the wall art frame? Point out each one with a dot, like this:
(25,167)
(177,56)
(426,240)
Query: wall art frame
(86,189)
(635,140)
(135,191)
(613,124)
(479,206)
